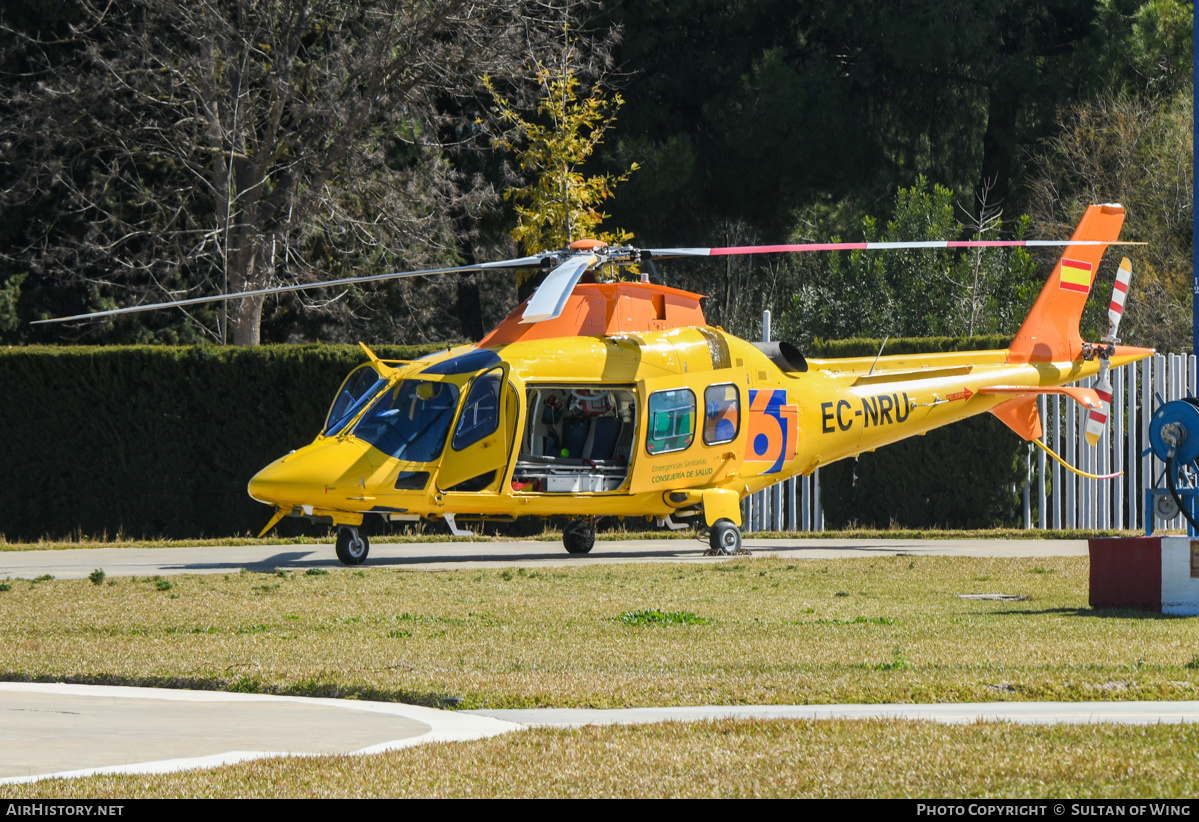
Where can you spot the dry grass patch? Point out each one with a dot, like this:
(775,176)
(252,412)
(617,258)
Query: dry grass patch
(718,759)
(757,631)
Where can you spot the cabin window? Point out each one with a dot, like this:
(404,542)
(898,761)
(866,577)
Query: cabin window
(722,414)
(481,412)
(353,395)
(671,421)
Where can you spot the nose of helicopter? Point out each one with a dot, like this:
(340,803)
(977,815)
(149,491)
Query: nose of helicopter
(310,476)
(281,483)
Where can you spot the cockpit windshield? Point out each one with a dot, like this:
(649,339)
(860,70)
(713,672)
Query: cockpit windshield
(410,420)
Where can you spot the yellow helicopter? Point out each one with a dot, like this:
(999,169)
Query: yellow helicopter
(618,399)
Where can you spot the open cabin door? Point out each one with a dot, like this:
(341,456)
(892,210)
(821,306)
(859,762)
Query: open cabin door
(478,450)
(578,438)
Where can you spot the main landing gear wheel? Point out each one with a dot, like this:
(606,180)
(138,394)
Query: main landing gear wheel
(578,536)
(725,537)
(352,547)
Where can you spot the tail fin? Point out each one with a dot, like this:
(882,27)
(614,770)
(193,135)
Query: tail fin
(1050,332)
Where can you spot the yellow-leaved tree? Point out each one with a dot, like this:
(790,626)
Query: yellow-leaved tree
(561,203)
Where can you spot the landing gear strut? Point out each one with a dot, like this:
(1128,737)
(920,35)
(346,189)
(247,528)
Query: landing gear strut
(725,537)
(352,547)
(579,536)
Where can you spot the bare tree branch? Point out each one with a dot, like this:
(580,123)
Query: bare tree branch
(224,145)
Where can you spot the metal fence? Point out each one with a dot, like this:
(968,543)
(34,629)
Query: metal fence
(1053,496)
(1061,499)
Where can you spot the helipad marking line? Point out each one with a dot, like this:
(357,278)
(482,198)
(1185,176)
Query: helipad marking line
(165,766)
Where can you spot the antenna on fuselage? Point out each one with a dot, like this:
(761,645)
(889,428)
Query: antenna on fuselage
(879,354)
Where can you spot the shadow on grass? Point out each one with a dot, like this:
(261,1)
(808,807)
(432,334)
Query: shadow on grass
(1095,613)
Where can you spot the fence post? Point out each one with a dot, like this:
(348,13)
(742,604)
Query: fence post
(1131,448)
(805,504)
(1146,412)
(1085,458)
(1055,475)
(1115,441)
(817,508)
(1041,406)
(792,516)
(1071,513)
(1027,495)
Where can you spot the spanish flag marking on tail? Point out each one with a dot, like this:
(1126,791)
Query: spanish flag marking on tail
(1076,276)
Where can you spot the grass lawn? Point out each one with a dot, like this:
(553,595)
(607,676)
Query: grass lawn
(717,759)
(758,630)
(887,629)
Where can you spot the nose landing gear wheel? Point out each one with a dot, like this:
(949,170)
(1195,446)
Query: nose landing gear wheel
(725,537)
(352,547)
(578,536)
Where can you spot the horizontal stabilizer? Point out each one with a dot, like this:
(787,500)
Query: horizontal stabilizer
(1086,397)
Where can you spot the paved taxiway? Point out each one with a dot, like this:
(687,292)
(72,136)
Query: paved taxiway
(123,562)
(61,729)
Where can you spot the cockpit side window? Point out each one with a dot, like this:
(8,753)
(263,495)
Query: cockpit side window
(354,394)
(481,411)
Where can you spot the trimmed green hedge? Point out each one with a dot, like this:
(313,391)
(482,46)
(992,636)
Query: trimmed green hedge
(155,441)
(967,475)
(865,347)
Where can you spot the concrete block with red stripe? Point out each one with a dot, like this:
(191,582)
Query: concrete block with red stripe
(1148,573)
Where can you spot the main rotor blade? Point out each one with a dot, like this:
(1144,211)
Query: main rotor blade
(1097,418)
(549,299)
(803,247)
(520,262)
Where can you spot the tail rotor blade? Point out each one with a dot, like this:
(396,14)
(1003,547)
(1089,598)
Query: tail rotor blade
(1119,292)
(1097,419)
